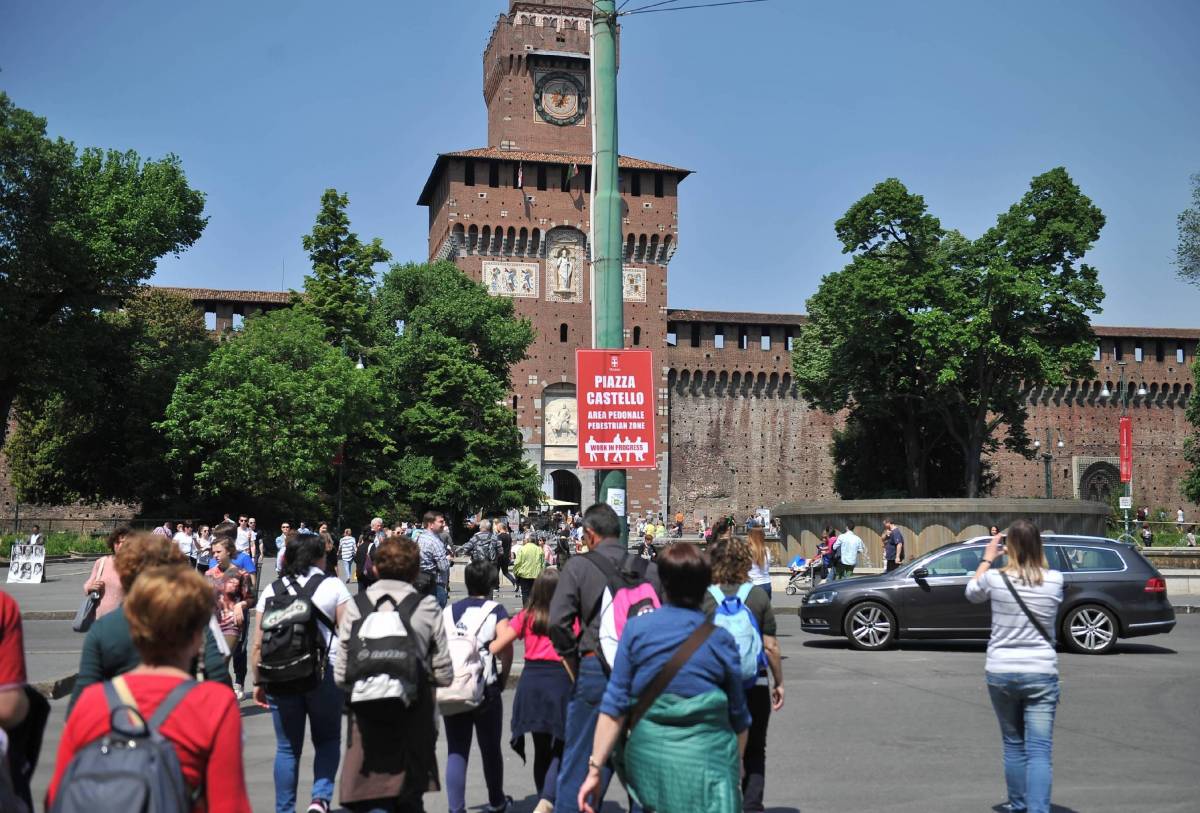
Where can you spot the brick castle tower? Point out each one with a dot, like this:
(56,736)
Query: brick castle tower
(514,215)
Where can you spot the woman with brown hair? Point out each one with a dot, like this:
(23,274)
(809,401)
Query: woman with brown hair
(390,760)
(730,563)
(1022,665)
(104,579)
(168,610)
(540,705)
(108,649)
(760,560)
(683,751)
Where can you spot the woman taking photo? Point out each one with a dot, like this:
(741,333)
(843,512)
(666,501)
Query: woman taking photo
(540,706)
(1022,665)
(683,753)
(168,610)
(104,579)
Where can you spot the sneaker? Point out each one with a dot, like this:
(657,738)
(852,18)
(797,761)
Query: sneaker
(238,693)
(500,808)
(544,806)
(318,806)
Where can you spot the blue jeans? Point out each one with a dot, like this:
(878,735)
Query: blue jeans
(582,712)
(1025,705)
(442,594)
(487,722)
(322,707)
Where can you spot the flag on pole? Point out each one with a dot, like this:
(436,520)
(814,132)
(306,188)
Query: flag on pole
(521,175)
(573,171)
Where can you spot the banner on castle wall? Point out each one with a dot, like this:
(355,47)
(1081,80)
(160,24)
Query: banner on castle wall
(1126,449)
(616,408)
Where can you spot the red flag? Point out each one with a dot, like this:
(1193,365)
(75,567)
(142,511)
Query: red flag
(1126,449)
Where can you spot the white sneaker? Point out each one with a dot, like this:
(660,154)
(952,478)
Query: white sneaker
(238,693)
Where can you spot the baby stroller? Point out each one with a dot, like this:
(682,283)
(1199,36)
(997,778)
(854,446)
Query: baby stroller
(808,572)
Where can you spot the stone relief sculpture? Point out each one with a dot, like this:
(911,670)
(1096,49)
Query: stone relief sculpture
(633,284)
(562,424)
(565,263)
(564,269)
(511,279)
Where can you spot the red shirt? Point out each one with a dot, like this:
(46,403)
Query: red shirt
(206,730)
(12,644)
(537,647)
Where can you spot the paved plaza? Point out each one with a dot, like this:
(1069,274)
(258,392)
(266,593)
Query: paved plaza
(906,730)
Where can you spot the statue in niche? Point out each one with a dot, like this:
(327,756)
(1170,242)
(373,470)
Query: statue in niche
(564,269)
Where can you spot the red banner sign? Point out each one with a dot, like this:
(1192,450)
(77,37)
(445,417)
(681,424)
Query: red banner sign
(616,408)
(1126,449)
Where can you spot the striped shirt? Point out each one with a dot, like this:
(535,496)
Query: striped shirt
(1015,644)
(346,548)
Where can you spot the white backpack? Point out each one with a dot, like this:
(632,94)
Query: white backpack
(465,691)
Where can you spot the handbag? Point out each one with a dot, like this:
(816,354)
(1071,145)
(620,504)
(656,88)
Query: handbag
(86,613)
(1020,603)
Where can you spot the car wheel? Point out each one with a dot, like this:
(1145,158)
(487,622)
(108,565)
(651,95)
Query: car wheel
(870,626)
(1090,630)
(791,590)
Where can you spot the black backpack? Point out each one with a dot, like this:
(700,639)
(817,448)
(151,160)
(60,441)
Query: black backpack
(133,768)
(293,653)
(383,660)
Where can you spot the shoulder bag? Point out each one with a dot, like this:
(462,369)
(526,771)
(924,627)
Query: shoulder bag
(86,613)
(1020,603)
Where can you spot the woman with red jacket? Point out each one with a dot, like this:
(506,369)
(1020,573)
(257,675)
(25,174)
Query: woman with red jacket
(168,609)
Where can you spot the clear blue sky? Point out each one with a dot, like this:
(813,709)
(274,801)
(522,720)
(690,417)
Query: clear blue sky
(787,110)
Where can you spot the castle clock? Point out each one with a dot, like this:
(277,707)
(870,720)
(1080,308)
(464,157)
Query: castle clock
(560,98)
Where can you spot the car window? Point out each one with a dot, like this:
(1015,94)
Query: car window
(1054,557)
(962,562)
(1091,560)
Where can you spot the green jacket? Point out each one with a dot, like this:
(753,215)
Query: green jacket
(530,562)
(108,651)
(683,756)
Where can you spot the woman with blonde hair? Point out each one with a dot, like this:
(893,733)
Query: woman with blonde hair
(760,560)
(1022,665)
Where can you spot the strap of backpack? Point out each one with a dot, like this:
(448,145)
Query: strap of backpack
(743,592)
(1032,618)
(486,609)
(664,677)
(611,578)
(716,594)
(308,590)
(169,703)
(119,696)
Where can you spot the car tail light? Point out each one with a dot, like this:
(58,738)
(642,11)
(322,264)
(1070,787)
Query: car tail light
(1156,585)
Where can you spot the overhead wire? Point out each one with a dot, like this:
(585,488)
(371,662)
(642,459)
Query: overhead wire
(649,9)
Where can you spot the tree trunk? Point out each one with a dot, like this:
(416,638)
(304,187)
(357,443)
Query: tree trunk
(7,395)
(915,458)
(973,456)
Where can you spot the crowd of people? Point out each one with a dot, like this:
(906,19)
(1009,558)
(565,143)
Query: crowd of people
(662,670)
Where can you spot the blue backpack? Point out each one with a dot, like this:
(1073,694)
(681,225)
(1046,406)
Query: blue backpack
(733,614)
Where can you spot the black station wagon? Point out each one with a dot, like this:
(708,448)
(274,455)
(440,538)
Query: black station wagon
(1110,591)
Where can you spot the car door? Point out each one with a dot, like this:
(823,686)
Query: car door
(936,605)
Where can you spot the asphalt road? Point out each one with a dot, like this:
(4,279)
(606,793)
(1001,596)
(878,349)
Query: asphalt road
(906,730)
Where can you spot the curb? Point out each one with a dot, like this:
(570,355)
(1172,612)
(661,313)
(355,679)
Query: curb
(48,615)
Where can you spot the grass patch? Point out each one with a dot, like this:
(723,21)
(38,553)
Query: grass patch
(58,544)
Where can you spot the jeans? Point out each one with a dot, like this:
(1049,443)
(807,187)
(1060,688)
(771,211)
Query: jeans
(582,712)
(1025,705)
(322,708)
(344,566)
(487,722)
(754,762)
(442,594)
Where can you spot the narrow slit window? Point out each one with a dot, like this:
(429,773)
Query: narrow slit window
(695,336)
(1138,354)
(743,338)
(637,336)
(1179,355)
(719,338)
(562,332)
(469,173)
(764,343)
(493,174)
(541,178)
(658,184)
(635,184)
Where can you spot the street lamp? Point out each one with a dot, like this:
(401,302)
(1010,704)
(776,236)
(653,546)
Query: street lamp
(1048,459)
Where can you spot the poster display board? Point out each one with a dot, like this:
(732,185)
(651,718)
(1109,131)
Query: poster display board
(27,564)
(616,408)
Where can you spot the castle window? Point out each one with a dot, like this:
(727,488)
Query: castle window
(541,178)
(1179,354)
(743,338)
(516,174)
(514,403)
(587,178)
(764,343)
(1096,354)
(719,338)
(1116,350)
(469,172)
(1137,353)
(562,332)
(1160,351)
(566,179)
(790,338)
(658,184)
(637,336)
(695,335)
(635,184)
(672,336)
(493,174)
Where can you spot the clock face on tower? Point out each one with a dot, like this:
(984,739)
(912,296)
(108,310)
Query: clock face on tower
(560,98)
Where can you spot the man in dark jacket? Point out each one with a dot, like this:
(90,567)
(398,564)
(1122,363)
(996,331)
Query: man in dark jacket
(485,546)
(580,589)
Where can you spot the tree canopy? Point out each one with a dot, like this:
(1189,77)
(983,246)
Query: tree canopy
(79,231)
(934,338)
(1187,252)
(1191,446)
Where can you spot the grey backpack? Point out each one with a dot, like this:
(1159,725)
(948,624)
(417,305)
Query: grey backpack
(131,769)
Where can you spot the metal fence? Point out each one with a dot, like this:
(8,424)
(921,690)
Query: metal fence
(82,526)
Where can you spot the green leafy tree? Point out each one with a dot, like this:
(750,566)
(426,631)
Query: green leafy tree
(1191,446)
(78,233)
(95,440)
(938,337)
(445,379)
(1187,253)
(338,291)
(267,414)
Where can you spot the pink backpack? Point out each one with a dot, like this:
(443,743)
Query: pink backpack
(627,594)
